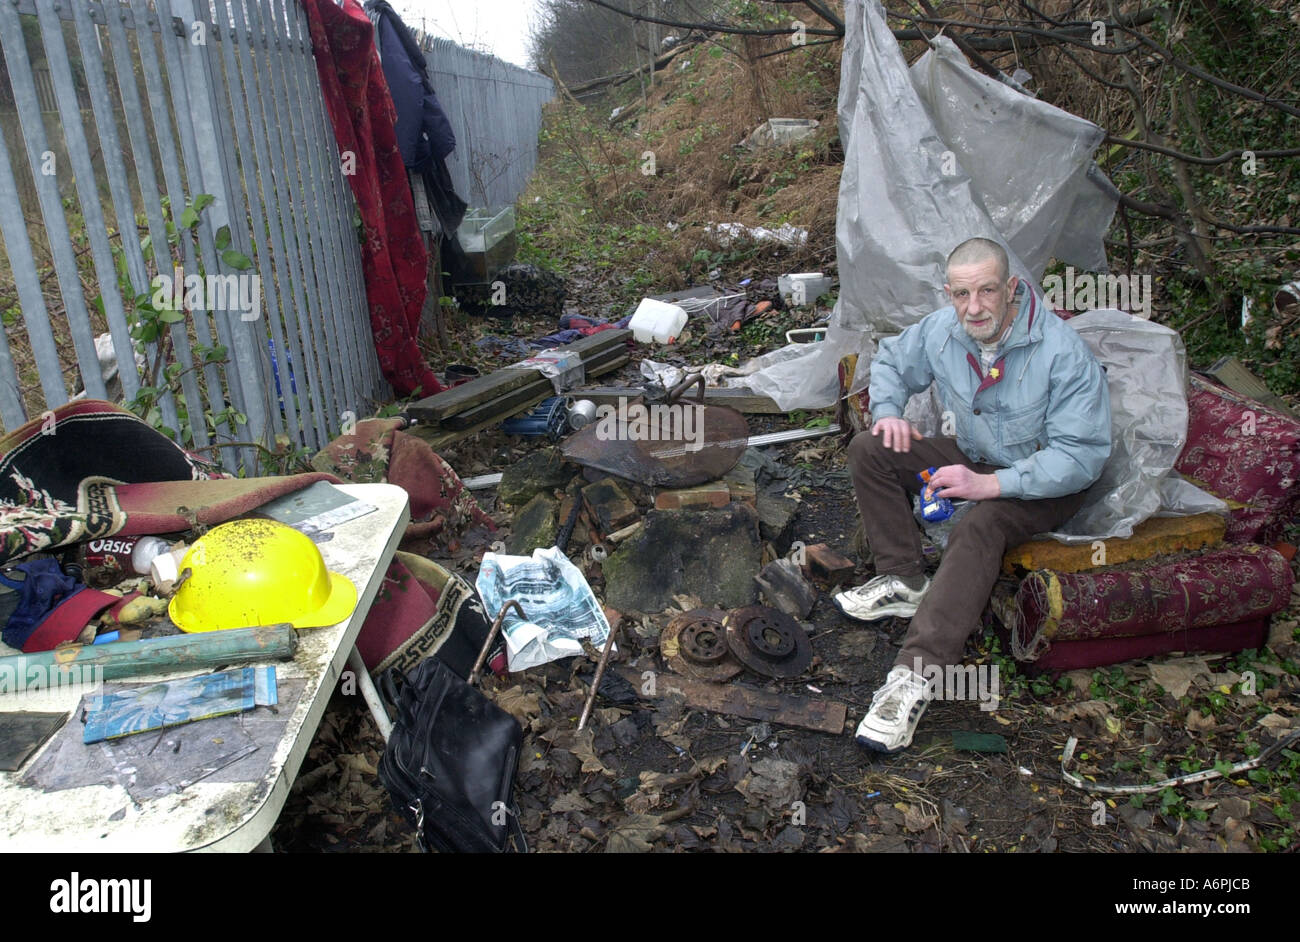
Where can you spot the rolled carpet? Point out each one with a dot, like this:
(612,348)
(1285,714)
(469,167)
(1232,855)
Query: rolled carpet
(1172,605)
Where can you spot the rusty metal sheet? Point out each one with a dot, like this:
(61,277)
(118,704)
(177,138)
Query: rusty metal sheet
(661,444)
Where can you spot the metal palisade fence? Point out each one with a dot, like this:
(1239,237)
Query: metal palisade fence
(185,201)
(495,110)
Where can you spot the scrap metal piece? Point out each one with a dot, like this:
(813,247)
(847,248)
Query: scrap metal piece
(694,644)
(595,681)
(669,444)
(492,636)
(768,641)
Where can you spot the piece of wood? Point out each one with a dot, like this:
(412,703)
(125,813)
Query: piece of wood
(742,400)
(496,384)
(439,437)
(506,405)
(1232,373)
(823,716)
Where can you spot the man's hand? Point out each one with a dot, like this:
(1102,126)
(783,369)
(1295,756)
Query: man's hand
(957,480)
(896,433)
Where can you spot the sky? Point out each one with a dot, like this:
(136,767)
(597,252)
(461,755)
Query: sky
(499,27)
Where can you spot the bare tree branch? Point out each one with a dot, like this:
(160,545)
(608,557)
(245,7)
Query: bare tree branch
(1072,35)
(1193,158)
(792,48)
(1204,76)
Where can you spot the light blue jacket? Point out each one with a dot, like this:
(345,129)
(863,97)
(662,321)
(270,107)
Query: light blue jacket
(1042,414)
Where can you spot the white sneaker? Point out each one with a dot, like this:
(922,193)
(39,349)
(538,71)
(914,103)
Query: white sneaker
(880,598)
(896,708)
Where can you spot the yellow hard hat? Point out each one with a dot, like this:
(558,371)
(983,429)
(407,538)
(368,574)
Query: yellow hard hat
(258,572)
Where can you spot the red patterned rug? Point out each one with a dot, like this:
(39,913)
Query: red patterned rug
(1246,454)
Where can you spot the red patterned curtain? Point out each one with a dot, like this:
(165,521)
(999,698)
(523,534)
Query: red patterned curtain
(392,253)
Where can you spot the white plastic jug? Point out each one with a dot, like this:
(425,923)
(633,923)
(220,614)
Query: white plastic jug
(657,322)
(803,288)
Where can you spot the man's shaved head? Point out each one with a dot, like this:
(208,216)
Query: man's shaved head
(976,251)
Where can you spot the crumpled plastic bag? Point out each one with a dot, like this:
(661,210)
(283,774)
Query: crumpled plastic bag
(560,606)
(1146,370)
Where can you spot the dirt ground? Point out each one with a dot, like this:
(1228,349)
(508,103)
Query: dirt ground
(655,775)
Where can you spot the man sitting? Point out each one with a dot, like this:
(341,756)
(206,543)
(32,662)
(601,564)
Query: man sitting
(1032,416)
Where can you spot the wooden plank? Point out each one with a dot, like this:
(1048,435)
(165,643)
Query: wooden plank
(440,437)
(823,716)
(494,385)
(1232,373)
(742,400)
(504,406)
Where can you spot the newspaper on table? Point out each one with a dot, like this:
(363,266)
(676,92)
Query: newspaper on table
(560,606)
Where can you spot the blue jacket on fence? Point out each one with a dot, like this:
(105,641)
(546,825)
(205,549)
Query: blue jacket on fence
(1042,412)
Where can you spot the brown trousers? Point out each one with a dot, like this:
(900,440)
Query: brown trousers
(883,481)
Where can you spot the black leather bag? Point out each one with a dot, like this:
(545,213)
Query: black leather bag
(450,762)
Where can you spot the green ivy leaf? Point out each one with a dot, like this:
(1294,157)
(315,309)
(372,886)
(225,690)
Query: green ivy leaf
(203,201)
(189,218)
(171,317)
(236,259)
(223,238)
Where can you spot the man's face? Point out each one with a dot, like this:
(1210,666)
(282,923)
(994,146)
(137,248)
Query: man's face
(982,298)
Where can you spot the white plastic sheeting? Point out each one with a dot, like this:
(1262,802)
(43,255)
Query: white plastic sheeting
(1146,370)
(924,171)
(1044,206)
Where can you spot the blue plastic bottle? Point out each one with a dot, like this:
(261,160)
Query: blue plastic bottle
(934,509)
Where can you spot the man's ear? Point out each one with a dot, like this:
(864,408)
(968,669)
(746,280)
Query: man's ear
(1012,284)
(947,289)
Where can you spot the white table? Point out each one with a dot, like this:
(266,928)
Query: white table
(207,816)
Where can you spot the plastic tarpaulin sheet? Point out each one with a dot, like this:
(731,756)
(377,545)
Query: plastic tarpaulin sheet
(1146,370)
(1040,196)
(909,194)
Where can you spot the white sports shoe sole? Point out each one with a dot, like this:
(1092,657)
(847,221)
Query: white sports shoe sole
(876,741)
(894,610)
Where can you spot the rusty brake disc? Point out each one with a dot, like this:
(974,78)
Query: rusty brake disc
(768,641)
(694,644)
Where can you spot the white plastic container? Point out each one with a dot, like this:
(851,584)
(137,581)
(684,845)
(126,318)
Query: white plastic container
(164,570)
(657,322)
(803,288)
